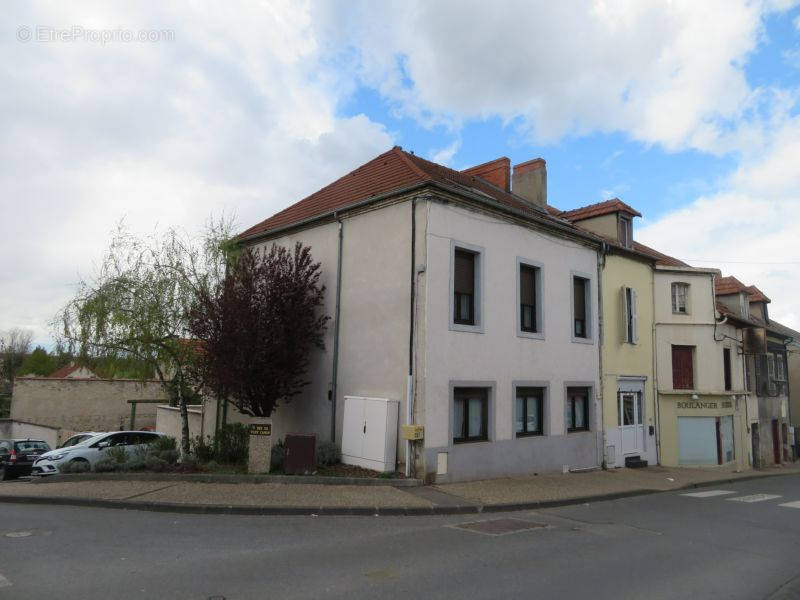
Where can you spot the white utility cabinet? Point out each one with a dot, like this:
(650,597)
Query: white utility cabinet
(369,432)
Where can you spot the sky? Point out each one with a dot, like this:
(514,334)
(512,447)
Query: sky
(165,114)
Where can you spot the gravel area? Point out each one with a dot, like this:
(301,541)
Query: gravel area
(106,490)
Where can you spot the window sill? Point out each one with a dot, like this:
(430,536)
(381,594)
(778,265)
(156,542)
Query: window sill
(531,335)
(580,340)
(475,441)
(466,328)
(581,430)
(527,434)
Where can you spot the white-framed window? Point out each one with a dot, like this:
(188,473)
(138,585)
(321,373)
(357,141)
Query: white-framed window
(630,316)
(530,300)
(581,294)
(680,298)
(466,283)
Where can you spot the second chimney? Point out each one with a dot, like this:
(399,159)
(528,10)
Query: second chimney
(529,180)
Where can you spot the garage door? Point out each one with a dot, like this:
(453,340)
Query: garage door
(697,440)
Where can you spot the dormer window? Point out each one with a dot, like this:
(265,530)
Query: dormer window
(625,230)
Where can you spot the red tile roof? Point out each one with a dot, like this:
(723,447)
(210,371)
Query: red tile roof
(728,285)
(756,295)
(661,259)
(65,371)
(599,209)
(394,171)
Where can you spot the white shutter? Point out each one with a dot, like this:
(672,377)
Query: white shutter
(624,328)
(634,316)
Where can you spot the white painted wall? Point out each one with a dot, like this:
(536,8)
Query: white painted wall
(498,354)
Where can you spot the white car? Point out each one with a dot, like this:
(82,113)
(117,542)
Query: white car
(91,450)
(78,438)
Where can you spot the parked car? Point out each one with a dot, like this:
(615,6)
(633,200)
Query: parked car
(78,438)
(17,456)
(90,451)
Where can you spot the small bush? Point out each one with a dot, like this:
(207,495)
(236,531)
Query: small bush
(155,464)
(116,454)
(104,465)
(328,453)
(203,449)
(277,457)
(75,466)
(232,444)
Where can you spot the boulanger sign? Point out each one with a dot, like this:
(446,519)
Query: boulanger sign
(706,405)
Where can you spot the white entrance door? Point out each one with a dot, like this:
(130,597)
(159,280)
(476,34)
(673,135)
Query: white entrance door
(630,423)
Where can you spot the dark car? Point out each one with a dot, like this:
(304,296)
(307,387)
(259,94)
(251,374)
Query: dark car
(17,456)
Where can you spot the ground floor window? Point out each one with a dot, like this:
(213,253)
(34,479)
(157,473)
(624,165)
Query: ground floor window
(705,440)
(470,414)
(528,416)
(578,409)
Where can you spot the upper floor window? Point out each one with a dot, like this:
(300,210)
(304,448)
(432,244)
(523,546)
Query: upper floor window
(683,367)
(580,307)
(726,368)
(464,287)
(625,231)
(529,298)
(630,316)
(680,298)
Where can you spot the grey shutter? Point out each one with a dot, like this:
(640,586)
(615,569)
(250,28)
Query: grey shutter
(634,316)
(624,328)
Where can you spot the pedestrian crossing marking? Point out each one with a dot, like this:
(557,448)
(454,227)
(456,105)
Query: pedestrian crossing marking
(795,504)
(708,494)
(754,498)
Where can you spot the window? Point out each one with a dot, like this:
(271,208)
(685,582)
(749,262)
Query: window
(680,298)
(630,408)
(528,417)
(470,414)
(726,368)
(630,316)
(625,231)
(464,287)
(577,409)
(580,307)
(529,298)
(683,367)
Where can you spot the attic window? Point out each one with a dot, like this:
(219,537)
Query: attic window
(625,231)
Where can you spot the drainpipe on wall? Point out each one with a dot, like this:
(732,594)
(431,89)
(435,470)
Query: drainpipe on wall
(653,337)
(335,366)
(410,384)
(601,263)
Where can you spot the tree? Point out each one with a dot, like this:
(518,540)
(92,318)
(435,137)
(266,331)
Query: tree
(259,326)
(15,344)
(137,305)
(39,362)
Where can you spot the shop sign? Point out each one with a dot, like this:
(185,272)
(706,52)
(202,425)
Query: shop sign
(693,404)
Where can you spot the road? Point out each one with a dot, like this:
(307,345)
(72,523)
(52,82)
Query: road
(667,545)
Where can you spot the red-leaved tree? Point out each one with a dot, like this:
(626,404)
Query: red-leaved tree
(259,327)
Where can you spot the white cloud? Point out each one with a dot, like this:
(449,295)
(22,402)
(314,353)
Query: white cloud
(238,113)
(748,229)
(445,155)
(668,73)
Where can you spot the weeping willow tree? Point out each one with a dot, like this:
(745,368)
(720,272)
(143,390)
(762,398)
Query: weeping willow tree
(137,305)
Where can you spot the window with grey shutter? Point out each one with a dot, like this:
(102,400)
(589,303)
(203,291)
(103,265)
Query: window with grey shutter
(464,287)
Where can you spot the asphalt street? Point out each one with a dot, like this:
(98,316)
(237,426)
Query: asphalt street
(738,542)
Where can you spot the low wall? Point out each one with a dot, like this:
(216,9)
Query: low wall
(84,404)
(168,421)
(16,430)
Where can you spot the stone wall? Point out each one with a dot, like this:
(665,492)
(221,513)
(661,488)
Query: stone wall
(84,404)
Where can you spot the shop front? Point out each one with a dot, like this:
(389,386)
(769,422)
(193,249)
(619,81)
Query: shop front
(703,430)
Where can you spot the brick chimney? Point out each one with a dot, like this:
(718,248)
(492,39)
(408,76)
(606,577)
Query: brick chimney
(529,180)
(497,172)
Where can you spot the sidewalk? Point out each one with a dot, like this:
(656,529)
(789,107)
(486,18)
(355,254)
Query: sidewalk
(287,498)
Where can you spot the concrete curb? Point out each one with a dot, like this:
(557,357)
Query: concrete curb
(211,478)
(221,509)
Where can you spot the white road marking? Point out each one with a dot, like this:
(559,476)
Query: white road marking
(708,494)
(4,582)
(795,504)
(754,498)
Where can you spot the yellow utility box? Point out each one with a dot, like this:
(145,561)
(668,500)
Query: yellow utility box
(412,432)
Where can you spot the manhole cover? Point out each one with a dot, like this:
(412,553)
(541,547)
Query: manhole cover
(500,526)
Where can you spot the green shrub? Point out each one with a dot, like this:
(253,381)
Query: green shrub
(328,453)
(75,466)
(116,454)
(277,457)
(203,449)
(104,465)
(232,443)
(155,464)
